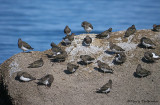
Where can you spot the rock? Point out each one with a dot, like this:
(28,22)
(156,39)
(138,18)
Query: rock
(80,88)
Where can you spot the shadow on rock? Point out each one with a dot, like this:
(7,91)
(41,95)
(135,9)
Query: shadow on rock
(67,72)
(109,52)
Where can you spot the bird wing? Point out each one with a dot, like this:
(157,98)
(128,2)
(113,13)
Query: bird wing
(26,45)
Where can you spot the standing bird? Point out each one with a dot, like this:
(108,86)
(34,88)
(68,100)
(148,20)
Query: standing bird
(120,58)
(87,26)
(55,49)
(131,30)
(36,64)
(147,42)
(67,30)
(68,39)
(141,72)
(87,41)
(151,56)
(72,67)
(156,27)
(115,48)
(23,45)
(24,77)
(86,59)
(104,67)
(105,88)
(46,80)
(105,34)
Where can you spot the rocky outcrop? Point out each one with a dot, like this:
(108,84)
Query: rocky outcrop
(79,88)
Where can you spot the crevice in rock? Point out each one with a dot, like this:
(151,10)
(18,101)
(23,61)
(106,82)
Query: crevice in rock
(5,99)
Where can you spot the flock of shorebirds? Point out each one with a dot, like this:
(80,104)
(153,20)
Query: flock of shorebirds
(60,55)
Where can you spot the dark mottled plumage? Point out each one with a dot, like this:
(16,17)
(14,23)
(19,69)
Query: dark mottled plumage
(67,30)
(141,72)
(60,57)
(87,59)
(156,27)
(147,42)
(151,56)
(24,76)
(36,64)
(87,26)
(87,41)
(72,67)
(105,88)
(105,34)
(23,45)
(68,39)
(115,48)
(56,50)
(130,31)
(46,80)
(104,67)
(120,58)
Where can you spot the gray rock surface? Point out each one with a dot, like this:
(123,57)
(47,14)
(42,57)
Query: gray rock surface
(80,87)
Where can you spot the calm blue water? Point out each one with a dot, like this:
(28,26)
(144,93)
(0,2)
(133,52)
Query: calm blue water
(39,22)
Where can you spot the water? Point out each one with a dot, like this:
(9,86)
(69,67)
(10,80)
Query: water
(40,22)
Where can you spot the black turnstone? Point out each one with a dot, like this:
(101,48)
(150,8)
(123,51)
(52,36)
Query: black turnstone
(24,77)
(86,59)
(55,49)
(147,42)
(115,48)
(46,80)
(104,67)
(87,26)
(23,45)
(105,88)
(120,58)
(72,67)
(36,64)
(87,41)
(151,56)
(68,39)
(130,31)
(141,72)
(156,27)
(105,34)
(67,30)
(60,57)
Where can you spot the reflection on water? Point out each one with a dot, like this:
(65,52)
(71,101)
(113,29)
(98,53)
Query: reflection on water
(40,22)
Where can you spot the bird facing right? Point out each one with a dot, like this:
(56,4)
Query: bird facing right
(104,67)
(72,67)
(105,88)
(131,30)
(105,34)
(46,80)
(23,45)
